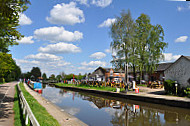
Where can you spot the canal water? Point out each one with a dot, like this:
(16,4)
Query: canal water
(99,110)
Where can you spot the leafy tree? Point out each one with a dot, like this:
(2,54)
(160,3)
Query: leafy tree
(58,77)
(44,76)
(9,21)
(139,44)
(52,77)
(69,77)
(62,74)
(36,72)
(7,65)
(150,43)
(122,33)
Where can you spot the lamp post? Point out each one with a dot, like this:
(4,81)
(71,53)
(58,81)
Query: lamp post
(176,86)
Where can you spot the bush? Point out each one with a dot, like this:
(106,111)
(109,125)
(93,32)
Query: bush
(169,86)
(187,92)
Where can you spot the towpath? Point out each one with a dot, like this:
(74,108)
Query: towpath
(7,92)
(62,117)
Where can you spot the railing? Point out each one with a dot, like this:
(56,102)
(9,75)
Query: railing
(26,110)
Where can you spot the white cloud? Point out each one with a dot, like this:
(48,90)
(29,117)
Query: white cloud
(98,55)
(108,50)
(94,63)
(85,2)
(44,57)
(169,57)
(56,34)
(26,40)
(24,20)
(67,14)
(60,48)
(182,39)
(85,68)
(107,23)
(180,8)
(101,3)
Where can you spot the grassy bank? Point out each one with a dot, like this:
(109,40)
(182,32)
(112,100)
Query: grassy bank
(102,88)
(18,118)
(41,114)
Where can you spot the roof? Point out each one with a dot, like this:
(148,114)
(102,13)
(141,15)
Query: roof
(163,66)
(187,57)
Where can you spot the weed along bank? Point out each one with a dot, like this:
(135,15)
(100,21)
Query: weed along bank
(179,71)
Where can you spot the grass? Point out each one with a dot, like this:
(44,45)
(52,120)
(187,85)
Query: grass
(143,85)
(102,88)
(1,83)
(41,114)
(18,117)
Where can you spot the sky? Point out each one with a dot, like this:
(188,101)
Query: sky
(74,35)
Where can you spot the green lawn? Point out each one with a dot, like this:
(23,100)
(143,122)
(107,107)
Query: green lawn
(41,114)
(89,87)
(143,85)
(18,119)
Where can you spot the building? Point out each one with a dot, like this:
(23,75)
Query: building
(107,74)
(179,71)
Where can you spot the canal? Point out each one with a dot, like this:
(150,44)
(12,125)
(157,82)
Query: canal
(99,110)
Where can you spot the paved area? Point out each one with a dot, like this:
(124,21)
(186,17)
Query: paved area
(62,117)
(158,93)
(7,92)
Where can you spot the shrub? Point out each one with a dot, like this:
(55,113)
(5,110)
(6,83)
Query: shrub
(187,92)
(169,86)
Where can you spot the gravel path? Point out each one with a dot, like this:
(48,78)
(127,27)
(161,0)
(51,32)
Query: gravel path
(7,92)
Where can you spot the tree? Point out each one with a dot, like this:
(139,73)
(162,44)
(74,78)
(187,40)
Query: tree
(7,65)
(150,44)
(122,33)
(36,72)
(58,77)
(44,76)
(9,21)
(52,77)
(139,44)
(62,74)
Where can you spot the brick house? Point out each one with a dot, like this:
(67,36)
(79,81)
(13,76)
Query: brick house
(107,74)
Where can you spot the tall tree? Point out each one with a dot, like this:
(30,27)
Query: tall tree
(36,72)
(150,44)
(52,77)
(9,21)
(122,33)
(44,76)
(7,65)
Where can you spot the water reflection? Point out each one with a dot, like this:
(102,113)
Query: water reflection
(113,111)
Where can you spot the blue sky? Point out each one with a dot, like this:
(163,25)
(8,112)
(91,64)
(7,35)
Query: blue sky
(73,35)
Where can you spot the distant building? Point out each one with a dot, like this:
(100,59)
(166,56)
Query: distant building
(179,71)
(107,74)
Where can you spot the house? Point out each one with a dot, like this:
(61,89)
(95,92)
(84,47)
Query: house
(107,74)
(159,73)
(179,71)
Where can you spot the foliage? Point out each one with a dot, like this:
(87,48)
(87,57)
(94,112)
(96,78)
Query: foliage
(18,115)
(58,77)
(138,43)
(26,75)
(36,72)
(41,114)
(9,71)
(52,77)
(9,21)
(169,86)
(187,92)
(69,77)
(44,76)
